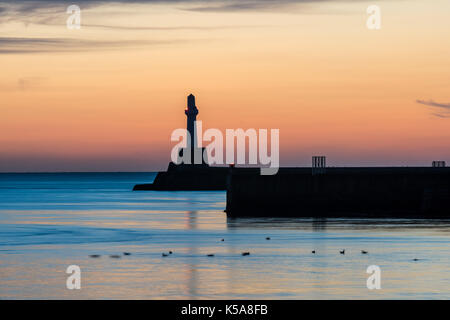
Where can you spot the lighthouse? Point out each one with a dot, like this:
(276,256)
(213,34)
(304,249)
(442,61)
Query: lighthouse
(192,154)
(191,114)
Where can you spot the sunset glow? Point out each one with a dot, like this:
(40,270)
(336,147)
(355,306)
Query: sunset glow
(107,97)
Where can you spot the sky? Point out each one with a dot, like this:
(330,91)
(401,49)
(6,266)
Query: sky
(107,96)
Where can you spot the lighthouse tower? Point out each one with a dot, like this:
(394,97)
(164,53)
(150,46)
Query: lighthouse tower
(198,155)
(191,113)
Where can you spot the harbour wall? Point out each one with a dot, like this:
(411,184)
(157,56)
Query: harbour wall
(188,178)
(340,192)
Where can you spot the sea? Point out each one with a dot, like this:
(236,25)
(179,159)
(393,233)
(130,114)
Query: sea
(181,245)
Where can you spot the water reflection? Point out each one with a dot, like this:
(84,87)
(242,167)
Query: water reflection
(322,224)
(192,220)
(42,231)
(192,283)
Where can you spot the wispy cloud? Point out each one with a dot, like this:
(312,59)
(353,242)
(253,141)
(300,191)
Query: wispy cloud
(246,5)
(52,12)
(27,83)
(26,6)
(440,115)
(443,108)
(15,45)
(434,104)
(171,28)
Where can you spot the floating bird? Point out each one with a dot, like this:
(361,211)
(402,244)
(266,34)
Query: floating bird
(127,254)
(170,252)
(268,238)
(314,251)
(114,256)
(245,253)
(222,240)
(210,255)
(364,252)
(415,259)
(165,254)
(94,256)
(342,252)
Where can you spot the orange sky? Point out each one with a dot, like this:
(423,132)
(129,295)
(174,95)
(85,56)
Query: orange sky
(107,97)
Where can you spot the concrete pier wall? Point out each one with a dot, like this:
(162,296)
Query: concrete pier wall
(340,192)
(188,178)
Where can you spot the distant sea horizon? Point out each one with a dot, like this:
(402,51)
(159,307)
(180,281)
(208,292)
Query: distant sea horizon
(165,168)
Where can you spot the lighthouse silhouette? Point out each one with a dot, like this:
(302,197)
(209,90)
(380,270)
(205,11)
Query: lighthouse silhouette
(198,155)
(191,113)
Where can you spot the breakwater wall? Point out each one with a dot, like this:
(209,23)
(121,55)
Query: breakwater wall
(340,192)
(188,178)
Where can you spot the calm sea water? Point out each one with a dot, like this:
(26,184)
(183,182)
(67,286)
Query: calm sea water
(51,221)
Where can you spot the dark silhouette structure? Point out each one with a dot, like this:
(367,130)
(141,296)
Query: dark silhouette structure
(438,164)
(191,113)
(319,163)
(189,176)
(312,192)
(340,192)
(197,155)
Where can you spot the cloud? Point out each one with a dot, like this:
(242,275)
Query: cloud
(443,108)
(53,12)
(16,45)
(440,115)
(27,83)
(48,11)
(246,5)
(434,104)
(169,28)
(26,6)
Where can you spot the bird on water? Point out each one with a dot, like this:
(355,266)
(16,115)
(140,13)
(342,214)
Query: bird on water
(342,252)
(245,253)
